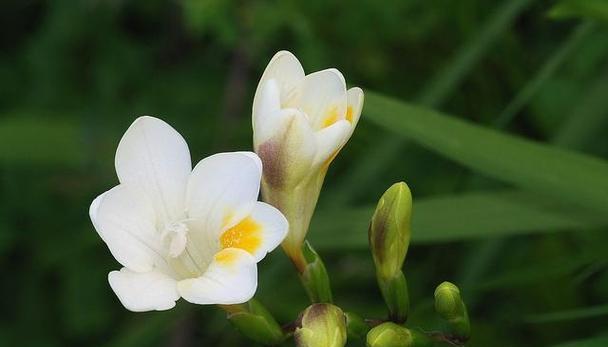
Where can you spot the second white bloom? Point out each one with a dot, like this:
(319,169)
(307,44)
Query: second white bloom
(300,123)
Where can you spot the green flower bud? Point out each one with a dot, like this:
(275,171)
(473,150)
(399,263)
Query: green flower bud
(389,335)
(389,230)
(389,238)
(315,277)
(256,323)
(449,305)
(356,326)
(393,335)
(321,325)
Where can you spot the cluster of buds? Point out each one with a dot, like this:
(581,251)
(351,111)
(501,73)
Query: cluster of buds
(389,238)
(198,233)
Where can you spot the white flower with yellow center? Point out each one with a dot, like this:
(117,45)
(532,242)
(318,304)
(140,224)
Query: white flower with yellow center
(196,234)
(300,123)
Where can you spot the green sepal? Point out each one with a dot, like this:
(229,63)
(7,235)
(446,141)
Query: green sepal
(356,327)
(395,293)
(256,323)
(314,277)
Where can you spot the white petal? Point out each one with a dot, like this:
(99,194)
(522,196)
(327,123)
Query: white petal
(147,291)
(155,158)
(230,279)
(93,209)
(266,115)
(285,68)
(222,189)
(126,222)
(322,96)
(331,139)
(354,97)
(288,156)
(273,227)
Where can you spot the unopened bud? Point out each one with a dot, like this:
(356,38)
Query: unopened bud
(389,230)
(389,335)
(393,335)
(321,325)
(449,305)
(389,238)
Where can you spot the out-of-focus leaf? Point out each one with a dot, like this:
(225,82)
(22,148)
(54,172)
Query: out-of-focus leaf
(566,175)
(460,217)
(435,92)
(579,313)
(594,9)
(600,341)
(590,117)
(40,141)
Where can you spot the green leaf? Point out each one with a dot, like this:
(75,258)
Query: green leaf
(599,341)
(579,313)
(459,217)
(593,9)
(563,174)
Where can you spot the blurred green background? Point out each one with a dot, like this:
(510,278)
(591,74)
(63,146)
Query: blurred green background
(510,181)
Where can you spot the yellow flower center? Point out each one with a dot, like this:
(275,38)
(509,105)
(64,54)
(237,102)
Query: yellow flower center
(246,235)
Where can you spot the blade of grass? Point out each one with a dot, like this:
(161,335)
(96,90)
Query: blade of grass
(588,117)
(476,265)
(435,93)
(547,70)
(563,174)
(459,217)
(600,341)
(575,314)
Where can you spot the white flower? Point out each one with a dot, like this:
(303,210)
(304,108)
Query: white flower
(178,232)
(300,123)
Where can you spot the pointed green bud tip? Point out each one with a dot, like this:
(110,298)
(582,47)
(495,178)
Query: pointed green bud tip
(389,230)
(389,335)
(448,302)
(321,325)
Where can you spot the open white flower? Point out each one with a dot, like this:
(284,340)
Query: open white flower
(300,123)
(179,232)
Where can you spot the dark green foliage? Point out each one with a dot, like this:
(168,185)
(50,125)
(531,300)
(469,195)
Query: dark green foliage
(527,247)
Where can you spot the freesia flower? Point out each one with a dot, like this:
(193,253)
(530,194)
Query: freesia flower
(182,232)
(300,123)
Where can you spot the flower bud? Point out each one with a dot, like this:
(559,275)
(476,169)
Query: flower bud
(255,322)
(321,325)
(389,230)
(315,277)
(300,123)
(389,238)
(393,335)
(449,305)
(389,335)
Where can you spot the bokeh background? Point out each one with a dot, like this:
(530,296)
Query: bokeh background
(529,254)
